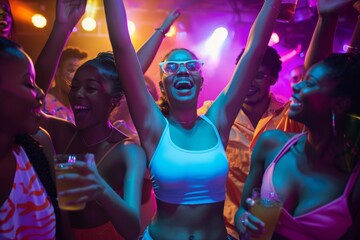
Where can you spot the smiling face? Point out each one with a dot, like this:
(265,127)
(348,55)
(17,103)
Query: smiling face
(181,78)
(91,95)
(312,101)
(260,87)
(20,98)
(6,19)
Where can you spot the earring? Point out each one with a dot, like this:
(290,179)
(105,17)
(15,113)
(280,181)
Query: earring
(333,123)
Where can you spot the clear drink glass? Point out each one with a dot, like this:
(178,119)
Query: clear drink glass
(267,208)
(63,165)
(287,10)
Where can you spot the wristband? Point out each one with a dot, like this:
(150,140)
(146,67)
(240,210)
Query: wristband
(161,30)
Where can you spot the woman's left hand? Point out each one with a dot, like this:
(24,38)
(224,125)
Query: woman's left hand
(70,11)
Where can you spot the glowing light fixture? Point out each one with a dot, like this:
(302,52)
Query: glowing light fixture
(274,39)
(88,24)
(291,53)
(172,31)
(38,20)
(215,41)
(131,27)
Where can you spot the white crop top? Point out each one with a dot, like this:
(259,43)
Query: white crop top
(183,176)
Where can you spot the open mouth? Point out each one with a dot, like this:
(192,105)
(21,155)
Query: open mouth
(183,85)
(3,24)
(79,108)
(252,91)
(295,103)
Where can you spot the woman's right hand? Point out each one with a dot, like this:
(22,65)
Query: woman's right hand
(247,224)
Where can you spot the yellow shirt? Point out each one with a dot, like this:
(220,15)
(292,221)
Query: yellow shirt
(242,140)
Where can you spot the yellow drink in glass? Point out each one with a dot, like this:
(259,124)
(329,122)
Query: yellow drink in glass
(267,208)
(64,165)
(268,213)
(62,185)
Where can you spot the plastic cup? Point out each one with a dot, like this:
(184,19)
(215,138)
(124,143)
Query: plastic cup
(287,10)
(267,208)
(63,165)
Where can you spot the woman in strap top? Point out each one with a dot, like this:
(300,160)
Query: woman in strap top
(28,205)
(186,152)
(113,190)
(314,174)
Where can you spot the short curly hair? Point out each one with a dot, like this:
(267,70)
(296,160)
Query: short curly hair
(72,52)
(271,60)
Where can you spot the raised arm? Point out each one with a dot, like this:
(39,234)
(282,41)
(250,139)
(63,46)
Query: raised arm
(145,114)
(68,13)
(147,52)
(354,45)
(228,103)
(321,44)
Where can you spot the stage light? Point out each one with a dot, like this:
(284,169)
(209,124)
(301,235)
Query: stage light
(172,32)
(38,20)
(274,39)
(88,24)
(131,27)
(292,53)
(219,35)
(215,41)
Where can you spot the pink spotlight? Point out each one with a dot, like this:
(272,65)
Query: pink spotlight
(274,39)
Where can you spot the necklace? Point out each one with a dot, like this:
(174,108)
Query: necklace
(100,141)
(185,122)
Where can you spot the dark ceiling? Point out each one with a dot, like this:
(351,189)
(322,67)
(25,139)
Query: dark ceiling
(240,11)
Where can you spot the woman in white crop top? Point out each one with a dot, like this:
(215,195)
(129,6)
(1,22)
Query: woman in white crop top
(182,148)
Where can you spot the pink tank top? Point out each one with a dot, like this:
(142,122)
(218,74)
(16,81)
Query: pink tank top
(330,221)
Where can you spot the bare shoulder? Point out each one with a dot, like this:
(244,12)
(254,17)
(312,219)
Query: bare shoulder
(268,146)
(44,139)
(128,151)
(42,136)
(273,139)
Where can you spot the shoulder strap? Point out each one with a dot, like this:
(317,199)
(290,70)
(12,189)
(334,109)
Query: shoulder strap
(352,180)
(212,125)
(110,149)
(70,142)
(287,146)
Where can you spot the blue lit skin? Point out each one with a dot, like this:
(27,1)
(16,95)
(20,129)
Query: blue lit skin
(168,82)
(312,100)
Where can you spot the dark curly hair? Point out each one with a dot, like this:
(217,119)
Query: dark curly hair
(107,63)
(72,52)
(271,61)
(344,69)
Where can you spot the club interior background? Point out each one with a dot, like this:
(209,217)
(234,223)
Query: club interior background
(198,20)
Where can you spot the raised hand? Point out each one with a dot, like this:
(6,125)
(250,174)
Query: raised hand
(70,11)
(170,19)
